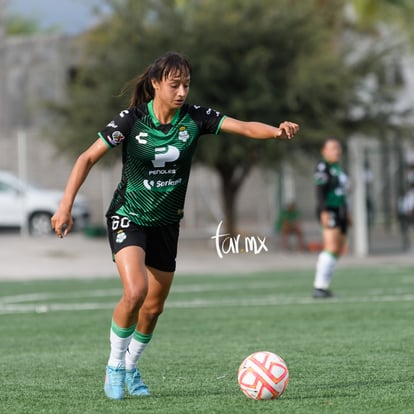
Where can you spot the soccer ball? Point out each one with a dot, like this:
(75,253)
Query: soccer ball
(263,376)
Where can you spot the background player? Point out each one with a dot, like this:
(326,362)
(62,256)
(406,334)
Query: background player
(332,212)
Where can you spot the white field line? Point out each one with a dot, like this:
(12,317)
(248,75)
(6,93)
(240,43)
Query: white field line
(283,300)
(31,297)
(192,288)
(16,304)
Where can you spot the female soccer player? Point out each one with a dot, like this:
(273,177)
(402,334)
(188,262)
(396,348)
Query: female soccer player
(332,213)
(159,133)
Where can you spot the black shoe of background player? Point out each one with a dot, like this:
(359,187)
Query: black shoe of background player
(322,293)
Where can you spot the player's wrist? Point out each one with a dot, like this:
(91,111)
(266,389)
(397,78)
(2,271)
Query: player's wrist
(65,209)
(277,133)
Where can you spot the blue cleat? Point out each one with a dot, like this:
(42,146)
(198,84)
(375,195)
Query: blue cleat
(135,385)
(115,383)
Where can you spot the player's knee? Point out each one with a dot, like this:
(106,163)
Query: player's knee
(152,313)
(134,299)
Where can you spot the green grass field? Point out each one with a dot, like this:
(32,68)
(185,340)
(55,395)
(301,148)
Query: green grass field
(353,354)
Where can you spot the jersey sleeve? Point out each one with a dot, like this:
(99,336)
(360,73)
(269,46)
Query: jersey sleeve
(321,178)
(118,129)
(208,120)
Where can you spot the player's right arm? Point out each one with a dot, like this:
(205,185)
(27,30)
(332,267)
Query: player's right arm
(62,221)
(259,130)
(321,178)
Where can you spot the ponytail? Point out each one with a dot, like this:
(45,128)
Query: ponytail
(142,90)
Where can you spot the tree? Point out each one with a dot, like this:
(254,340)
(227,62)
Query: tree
(26,26)
(266,63)
(17,25)
(252,60)
(397,13)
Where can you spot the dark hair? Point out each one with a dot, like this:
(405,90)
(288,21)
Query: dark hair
(331,139)
(170,62)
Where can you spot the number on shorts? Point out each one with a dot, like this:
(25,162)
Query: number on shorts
(119,222)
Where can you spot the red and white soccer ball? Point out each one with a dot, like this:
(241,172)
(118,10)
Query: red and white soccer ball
(263,376)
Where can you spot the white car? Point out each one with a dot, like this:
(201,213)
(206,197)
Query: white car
(23,204)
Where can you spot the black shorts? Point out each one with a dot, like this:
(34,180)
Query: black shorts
(338,217)
(159,243)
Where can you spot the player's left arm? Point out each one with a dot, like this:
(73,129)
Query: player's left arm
(259,130)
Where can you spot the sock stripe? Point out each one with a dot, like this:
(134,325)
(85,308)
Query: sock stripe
(122,332)
(335,256)
(143,338)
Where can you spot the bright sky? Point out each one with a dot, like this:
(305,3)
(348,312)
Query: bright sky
(71,16)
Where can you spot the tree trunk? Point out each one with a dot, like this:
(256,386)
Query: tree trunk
(229,196)
(232,179)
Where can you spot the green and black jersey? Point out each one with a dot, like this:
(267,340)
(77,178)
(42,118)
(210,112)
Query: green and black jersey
(156,160)
(331,182)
